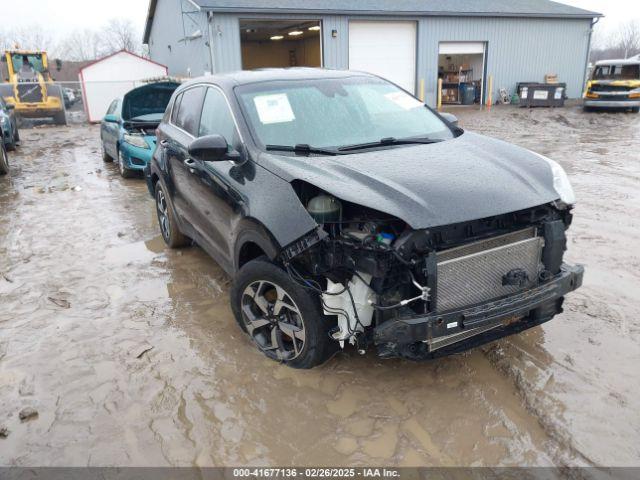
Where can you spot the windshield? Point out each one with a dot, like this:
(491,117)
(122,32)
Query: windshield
(617,72)
(27,62)
(334,113)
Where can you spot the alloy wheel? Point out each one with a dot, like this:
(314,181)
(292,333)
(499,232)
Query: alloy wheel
(273,320)
(163,215)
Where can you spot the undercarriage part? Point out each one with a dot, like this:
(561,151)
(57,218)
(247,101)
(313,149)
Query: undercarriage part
(371,272)
(325,208)
(351,304)
(477,277)
(302,244)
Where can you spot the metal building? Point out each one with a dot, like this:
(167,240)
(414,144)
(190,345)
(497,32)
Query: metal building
(411,42)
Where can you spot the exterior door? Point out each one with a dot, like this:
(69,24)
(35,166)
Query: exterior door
(216,201)
(387,49)
(185,123)
(110,130)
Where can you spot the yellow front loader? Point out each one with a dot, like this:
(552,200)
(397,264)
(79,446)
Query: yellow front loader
(29,86)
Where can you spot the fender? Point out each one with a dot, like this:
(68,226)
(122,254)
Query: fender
(252,231)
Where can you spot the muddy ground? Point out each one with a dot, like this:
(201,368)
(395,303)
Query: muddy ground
(130,355)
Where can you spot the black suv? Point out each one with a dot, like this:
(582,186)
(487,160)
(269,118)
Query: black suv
(346,211)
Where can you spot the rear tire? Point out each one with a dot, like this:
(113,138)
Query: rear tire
(171,234)
(283,319)
(4,159)
(635,109)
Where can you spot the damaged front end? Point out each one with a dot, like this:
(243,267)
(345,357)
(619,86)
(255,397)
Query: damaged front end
(420,294)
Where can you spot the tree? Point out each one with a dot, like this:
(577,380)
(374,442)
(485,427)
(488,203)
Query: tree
(82,45)
(32,37)
(628,38)
(120,34)
(621,43)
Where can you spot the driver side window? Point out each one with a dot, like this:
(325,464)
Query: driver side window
(216,117)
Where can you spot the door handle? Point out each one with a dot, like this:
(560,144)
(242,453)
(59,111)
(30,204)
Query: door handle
(190,164)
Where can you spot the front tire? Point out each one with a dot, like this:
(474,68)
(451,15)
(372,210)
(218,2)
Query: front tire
(122,168)
(4,160)
(282,318)
(635,109)
(105,156)
(167,221)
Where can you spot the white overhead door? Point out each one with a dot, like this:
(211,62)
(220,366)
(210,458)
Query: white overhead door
(387,49)
(461,48)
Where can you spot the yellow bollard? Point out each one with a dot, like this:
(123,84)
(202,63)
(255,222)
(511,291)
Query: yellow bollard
(422,90)
(439,94)
(490,98)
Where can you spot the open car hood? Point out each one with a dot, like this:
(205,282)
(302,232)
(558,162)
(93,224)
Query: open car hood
(147,100)
(467,178)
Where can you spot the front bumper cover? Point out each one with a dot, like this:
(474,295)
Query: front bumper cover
(458,330)
(612,103)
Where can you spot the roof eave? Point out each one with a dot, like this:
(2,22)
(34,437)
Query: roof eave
(149,22)
(585,15)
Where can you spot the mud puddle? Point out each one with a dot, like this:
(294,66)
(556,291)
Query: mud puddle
(139,360)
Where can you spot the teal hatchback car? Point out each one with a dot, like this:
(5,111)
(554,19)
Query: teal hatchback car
(128,129)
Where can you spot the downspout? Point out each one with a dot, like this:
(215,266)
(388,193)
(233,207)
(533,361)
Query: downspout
(586,63)
(210,35)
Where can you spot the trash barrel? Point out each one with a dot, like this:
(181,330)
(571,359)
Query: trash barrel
(467,93)
(534,94)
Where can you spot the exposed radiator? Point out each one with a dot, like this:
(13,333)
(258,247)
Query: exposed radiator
(474,273)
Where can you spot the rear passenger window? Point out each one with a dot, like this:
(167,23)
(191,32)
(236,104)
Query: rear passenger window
(189,110)
(175,108)
(216,117)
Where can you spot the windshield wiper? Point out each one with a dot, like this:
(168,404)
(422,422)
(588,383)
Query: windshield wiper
(301,148)
(389,141)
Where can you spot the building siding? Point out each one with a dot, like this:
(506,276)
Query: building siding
(518,49)
(186,57)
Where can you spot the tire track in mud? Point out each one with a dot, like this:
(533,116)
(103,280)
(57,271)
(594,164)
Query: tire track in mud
(516,402)
(605,170)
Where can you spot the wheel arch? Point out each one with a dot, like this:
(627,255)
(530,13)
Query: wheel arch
(253,242)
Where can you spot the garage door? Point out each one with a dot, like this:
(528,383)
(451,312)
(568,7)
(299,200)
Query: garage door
(461,48)
(387,49)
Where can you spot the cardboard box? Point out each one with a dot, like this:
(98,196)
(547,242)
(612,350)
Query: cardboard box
(551,78)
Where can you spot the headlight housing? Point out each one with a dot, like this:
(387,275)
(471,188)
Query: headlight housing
(136,140)
(561,182)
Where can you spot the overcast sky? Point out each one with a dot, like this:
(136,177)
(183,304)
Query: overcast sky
(64,16)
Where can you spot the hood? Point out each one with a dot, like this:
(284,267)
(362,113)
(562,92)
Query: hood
(462,179)
(147,100)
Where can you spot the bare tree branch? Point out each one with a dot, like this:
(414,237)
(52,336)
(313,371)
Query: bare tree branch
(120,34)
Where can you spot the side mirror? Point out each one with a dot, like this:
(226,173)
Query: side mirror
(212,148)
(450,117)
(111,118)
(10,106)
